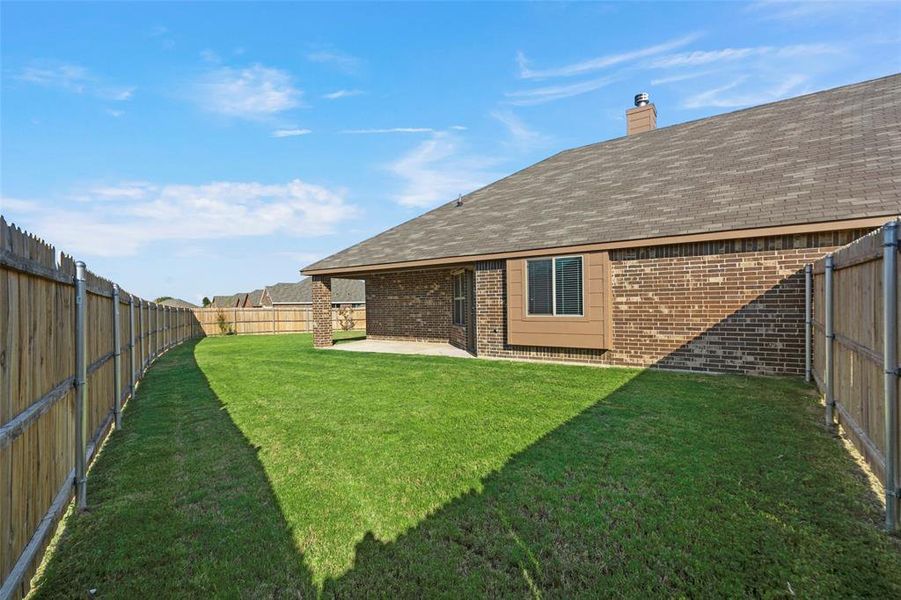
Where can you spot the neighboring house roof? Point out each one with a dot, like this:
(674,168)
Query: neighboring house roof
(225,301)
(255,298)
(344,291)
(178,303)
(265,300)
(828,156)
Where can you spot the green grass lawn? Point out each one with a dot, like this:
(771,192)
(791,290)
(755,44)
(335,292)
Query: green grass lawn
(257,467)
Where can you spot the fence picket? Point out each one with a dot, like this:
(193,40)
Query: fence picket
(856,311)
(279,319)
(61,389)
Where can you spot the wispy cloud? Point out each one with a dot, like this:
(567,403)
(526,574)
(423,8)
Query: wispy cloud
(303,258)
(162,33)
(118,192)
(340,60)
(808,11)
(72,78)
(556,92)
(520,133)
(437,171)
(600,62)
(706,57)
(680,77)
(281,133)
(139,214)
(210,56)
(727,96)
(390,130)
(254,92)
(10,206)
(342,94)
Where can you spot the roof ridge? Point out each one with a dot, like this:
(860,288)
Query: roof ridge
(646,134)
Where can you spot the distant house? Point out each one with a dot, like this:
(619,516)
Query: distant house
(345,292)
(177,303)
(680,247)
(233,301)
(255,299)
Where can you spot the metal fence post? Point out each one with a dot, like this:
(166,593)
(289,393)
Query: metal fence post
(81,387)
(830,342)
(117,359)
(808,321)
(143,332)
(154,336)
(890,359)
(131,344)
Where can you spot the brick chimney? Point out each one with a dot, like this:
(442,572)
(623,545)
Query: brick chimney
(641,118)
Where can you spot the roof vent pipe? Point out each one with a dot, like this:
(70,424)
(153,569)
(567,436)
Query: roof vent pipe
(460,200)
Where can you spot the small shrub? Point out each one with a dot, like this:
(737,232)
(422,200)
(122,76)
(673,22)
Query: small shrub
(225,327)
(346,318)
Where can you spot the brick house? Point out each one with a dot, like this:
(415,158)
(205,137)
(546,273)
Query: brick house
(344,293)
(677,247)
(177,303)
(233,301)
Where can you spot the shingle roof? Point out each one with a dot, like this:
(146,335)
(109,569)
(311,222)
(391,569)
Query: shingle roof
(826,156)
(256,298)
(344,291)
(225,301)
(178,303)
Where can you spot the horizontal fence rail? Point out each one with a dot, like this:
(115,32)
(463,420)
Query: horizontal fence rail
(278,319)
(73,347)
(855,348)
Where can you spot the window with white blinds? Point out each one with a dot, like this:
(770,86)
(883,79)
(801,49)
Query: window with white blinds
(554,286)
(459,299)
(541,287)
(568,285)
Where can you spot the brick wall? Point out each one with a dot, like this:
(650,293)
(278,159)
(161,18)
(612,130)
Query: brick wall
(322,311)
(457,336)
(410,305)
(724,312)
(723,306)
(734,305)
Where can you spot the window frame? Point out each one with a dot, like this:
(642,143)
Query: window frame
(554,314)
(460,277)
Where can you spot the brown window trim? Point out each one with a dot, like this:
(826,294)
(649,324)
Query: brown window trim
(555,318)
(593,330)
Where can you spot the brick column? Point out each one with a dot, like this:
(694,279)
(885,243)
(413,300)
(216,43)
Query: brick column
(322,311)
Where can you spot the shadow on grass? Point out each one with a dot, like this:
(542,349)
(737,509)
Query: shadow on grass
(632,498)
(179,505)
(673,484)
(348,336)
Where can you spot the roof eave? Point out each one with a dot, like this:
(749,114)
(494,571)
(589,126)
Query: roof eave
(728,234)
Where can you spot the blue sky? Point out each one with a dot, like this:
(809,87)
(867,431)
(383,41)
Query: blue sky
(199,149)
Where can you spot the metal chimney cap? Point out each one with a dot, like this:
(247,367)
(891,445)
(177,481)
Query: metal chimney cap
(642,99)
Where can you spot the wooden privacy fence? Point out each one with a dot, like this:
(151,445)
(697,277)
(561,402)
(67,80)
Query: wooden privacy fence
(241,321)
(852,315)
(72,349)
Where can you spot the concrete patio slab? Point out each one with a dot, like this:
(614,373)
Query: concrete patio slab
(399,347)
